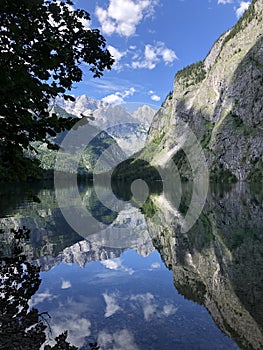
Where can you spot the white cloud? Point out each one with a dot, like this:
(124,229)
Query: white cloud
(78,328)
(168,55)
(112,264)
(153,55)
(65,284)
(111,304)
(70,316)
(244,5)
(40,297)
(148,305)
(113,99)
(155,265)
(169,310)
(155,98)
(122,339)
(123,16)
(224,2)
(118,97)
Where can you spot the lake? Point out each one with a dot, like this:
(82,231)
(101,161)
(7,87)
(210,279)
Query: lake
(130,279)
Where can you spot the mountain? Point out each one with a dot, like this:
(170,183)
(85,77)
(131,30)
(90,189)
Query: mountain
(218,262)
(221,100)
(82,104)
(101,145)
(129,129)
(144,113)
(52,240)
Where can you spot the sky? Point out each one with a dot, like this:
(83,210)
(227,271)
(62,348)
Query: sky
(151,40)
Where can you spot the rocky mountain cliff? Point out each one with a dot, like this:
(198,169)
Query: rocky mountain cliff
(221,100)
(52,240)
(129,129)
(218,263)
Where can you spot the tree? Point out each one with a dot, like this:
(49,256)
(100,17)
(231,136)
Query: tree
(42,46)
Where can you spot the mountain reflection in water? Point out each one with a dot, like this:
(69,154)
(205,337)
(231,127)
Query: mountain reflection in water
(144,286)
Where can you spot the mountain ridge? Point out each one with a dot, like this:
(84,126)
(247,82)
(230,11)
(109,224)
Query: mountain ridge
(221,100)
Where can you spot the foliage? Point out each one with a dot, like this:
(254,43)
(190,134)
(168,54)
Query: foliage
(168,97)
(182,163)
(21,327)
(158,139)
(207,134)
(132,169)
(256,173)
(248,16)
(192,74)
(42,46)
(221,175)
(149,208)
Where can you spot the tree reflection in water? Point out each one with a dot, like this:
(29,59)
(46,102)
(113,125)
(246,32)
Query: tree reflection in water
(20,326)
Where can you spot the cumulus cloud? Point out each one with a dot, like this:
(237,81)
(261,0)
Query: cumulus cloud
(123,16)
(71,316)
(155,98)
(122,339)
(41,297)
(118,97)
(116,264)
(244,5)
(112,264)
(169,310)
(148,305)
(65,284)
(111,304)
(78,327)
(113,99)
(153,55)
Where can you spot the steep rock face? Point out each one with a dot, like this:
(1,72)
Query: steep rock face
(218,263)
(129,129)
(221,100)
(52,240)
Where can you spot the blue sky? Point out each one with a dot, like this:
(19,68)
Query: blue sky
(151,40)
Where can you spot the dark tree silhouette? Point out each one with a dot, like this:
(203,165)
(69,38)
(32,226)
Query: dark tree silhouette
(42,46)
(20,326)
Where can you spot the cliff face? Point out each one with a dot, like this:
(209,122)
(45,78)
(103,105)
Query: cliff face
(52,240)
(218,263)
(221,100)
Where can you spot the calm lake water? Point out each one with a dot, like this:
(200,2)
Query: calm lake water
(137,284)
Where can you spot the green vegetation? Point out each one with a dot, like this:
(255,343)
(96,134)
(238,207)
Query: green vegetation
(158,139)
(40,59)
(221,175)
(256,174)
(167,98)
(132,169)
(149,208)
(248,16)
(208,133)
(192,74)
(183,165)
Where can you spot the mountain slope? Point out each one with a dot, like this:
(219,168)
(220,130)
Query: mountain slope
(101,144)
(221,100)
(128,129)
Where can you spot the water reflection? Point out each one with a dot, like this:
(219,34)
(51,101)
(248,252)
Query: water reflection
(218,263)
(120,297)
(22,327)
